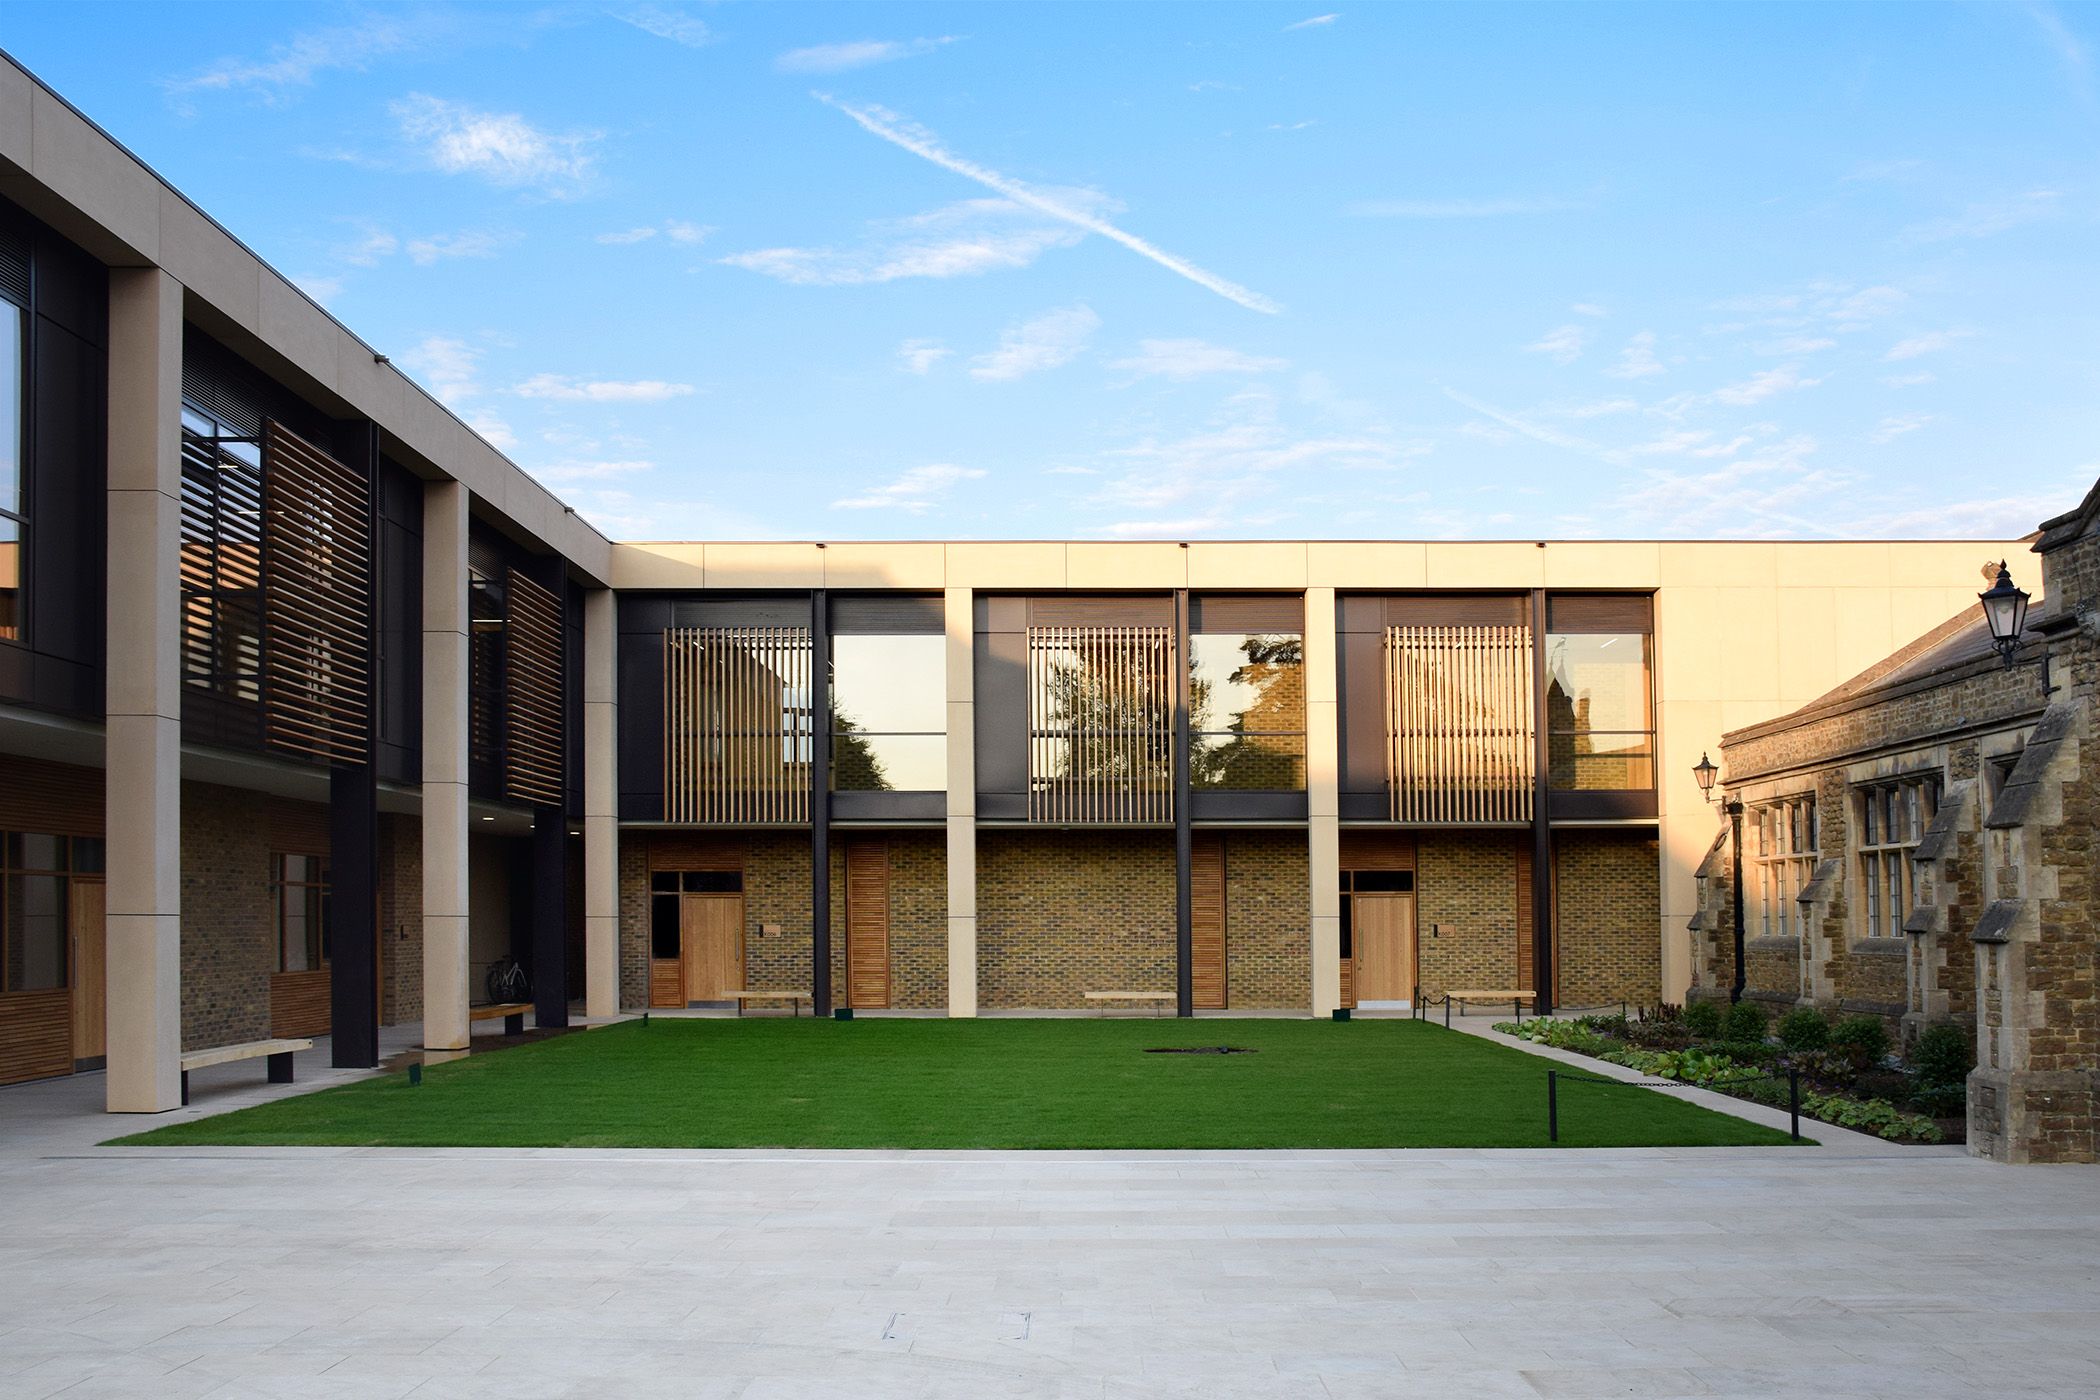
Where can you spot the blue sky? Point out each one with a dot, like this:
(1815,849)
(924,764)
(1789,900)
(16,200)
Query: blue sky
(1165,271)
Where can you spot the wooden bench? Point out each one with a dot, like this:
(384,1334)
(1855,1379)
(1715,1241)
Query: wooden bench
(1515,997)
(279,1053)
(792,998)
(512,1012)
(1159,999)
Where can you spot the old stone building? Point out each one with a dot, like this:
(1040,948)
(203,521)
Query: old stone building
(1919,844)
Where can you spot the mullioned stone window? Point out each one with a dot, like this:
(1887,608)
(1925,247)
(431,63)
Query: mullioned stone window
(1892,818)
(1784,839)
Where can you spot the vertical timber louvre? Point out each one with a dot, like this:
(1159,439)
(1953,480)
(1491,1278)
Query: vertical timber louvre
(316,591)
(736,724)
(867,924)
(1101,723)
(1460,739)
(532,713)
(1207,921)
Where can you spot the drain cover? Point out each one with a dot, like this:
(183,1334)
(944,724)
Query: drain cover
(1202,1050)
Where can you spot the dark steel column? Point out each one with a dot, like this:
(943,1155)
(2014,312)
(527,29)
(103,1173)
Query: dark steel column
(1735,824)
(1541,816)
(820,802)
(353,823)
(1184,841)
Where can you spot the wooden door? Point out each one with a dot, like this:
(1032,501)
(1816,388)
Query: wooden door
(711,938)
(1207,922)
(90,972)
(867,924)
(1385,951)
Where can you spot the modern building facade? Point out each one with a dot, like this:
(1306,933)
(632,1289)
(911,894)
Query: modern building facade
(1918,845)
(313,707)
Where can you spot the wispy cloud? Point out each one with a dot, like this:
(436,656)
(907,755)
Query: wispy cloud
(437,246)
(1763,385)
(914,491)
(1044,343)
(679,231)
(451,368)
(1562,344)
(1315,21)
(1983,220)
(882,122)
(1637,360)
(322,289)
(665,22)
(574,470)
(919,356)
(633,235)
(1192,359)
(502,148)
(964,239)
(1895,425)
(1911,347)
(555,386)
(296,62)
(837,58)
(1452,208)
(1540,432)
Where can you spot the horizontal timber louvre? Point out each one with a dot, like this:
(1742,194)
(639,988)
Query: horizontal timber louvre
(1460,738)
(1101,723)
(317,599)
(532,711)
(736,724)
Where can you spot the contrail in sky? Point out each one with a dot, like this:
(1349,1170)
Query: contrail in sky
(921,142)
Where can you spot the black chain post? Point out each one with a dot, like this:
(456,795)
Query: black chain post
(1552,1106)
(1793,1096)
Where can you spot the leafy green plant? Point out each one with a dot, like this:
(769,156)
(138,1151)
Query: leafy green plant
(1744,1023)
(1690,1066)
(1865,1037)
(1660,1035)
(1833,1068)
(1941,1056)
(1662,1011)
(1803,1029)
(1941,1100)
(1604,1025)
(1877,1116)
(1561,1035)
(1703,1018)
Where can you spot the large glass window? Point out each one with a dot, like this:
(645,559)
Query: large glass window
(1247,711)
(889,712)
(12,497)
(1892,820)
(34,898)
(300,884)
(221,557)
(1601,728)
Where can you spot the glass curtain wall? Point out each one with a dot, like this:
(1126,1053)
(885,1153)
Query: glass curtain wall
(35,888)
(1247,711)
(1600,721)
(300,883)
(889,712)
(13,505)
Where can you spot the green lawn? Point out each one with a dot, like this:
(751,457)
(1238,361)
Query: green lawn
(978,1083)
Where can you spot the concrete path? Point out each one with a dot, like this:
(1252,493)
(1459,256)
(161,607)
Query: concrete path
(1768,1272)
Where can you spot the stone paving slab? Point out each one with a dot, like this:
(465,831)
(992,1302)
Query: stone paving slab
(1853,1269)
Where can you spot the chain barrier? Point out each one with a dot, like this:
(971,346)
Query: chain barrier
(1554,1079)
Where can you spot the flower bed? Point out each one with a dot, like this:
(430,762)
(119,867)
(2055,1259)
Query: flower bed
(1832,1071)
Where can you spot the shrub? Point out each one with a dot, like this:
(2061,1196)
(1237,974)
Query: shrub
(1604,1025)
(1703,1018)
(1662,1011)
(1663,1035)
(1832,1067)
(1864,1036)
(1804,1028)
(1941,1057)
(1877,1116)
(1744,1023)
(1941,1100)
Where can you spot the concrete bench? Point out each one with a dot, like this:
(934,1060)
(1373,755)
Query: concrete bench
(1159,999)
(512,1012)
(792,998)
(278,1052)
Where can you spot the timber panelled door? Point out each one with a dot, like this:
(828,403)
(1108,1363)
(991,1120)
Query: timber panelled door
(867,924)
(52,1007)
(696,924)
(1207,921)
(1379,950)
(301,991)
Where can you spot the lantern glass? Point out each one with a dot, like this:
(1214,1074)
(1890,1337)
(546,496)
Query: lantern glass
(2005,608)
(1705,772)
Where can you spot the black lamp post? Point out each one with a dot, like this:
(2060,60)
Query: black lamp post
(1706,772)
(2005,609)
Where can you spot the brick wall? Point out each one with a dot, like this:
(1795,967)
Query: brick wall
(228,935)
(1468,880)
(918,918)
(634,921)
(1609,891)
(1268,920)
(1060,913)
(401,918)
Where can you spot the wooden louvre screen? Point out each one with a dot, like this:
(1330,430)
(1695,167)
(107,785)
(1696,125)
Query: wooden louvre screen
(221,572)
(1101,724)
(1207,922)
(736,724)
(59,798)
(867,924)
(1377,850)
(298,828)
(317,599)
(36,1035)
(1459,737)
(532,711)
(301,1003)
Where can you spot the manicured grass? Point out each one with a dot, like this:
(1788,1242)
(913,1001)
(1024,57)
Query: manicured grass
(986,1083)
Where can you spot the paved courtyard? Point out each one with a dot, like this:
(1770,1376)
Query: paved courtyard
(1854,1269)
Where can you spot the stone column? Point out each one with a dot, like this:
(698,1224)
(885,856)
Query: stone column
(1323,792)
(143,698)
(601,806)
(446,677)
(962,804)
